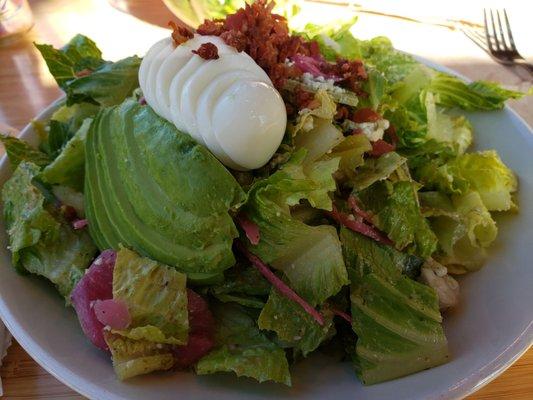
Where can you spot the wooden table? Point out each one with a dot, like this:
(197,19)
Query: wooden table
(26,87)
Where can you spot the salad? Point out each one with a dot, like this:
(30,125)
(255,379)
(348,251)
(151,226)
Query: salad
(246,195)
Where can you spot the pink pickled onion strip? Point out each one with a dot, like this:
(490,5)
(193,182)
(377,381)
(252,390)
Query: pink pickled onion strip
(313,65)
(359,226)
(113,313)
(278,283)
(343,315)
(79,224)
(352,202)
(250,228)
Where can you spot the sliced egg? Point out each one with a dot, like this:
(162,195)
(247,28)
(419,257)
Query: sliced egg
(249,121)
(147,60)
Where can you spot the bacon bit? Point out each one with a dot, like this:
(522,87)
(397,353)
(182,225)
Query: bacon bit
(68,212)
(342,113)
(304,99)
(180,34)
(80,224)
(342,314)
(208,51)
(83,72)
(380,147)
(359,226)
(280,286)
(365,115)
(250,228)
(352,202)
(264,36)
(390,133)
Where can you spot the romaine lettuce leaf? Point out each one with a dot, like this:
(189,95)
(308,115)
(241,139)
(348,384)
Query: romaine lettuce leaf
(310,256)
(156,298)
(351,151)
(18,151)
(293,326)
(396,319)
(479,95)
(243,349)
(376,169)
(488,175)
(397,212)
(39,240)
(464,228)
(69,167)
(137,357)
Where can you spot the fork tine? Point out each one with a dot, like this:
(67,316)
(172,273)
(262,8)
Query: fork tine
(509,32)
(477,38)
(494,32)
(487,33)
(502,35)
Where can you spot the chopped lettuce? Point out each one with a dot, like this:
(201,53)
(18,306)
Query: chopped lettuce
(310,256)
(293,326)
(39,240)
(479,95)
(245,286)
(18,151)
(464,228)
(377,169)
(243,349)
(137,357)
(396,319)
(397,212)
(85,77)
(156,298)
(69,167)
(487,174)
(79,54)
(351,151)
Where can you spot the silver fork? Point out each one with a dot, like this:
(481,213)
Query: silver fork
(497,40)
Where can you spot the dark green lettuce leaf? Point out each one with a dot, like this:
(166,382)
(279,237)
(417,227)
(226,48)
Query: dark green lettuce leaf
(293,326)
(396,319)
(243,349)
(18,151)
(39,240)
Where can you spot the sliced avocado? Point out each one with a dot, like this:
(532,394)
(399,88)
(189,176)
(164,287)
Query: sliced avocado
(396,319)
(153,189)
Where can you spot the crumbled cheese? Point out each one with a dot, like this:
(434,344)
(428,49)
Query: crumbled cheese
(319,82)
(372,130)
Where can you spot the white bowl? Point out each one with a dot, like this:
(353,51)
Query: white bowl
(490,329)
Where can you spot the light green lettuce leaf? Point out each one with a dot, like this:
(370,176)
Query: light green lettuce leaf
(156,297)
(464,228)
(479,95)
(396,319)
(456,131)
(243,349)
(376,169)
(69,167)
(396,211)
(488,175)
(310,256)
(39,240)
(137,357)
(293,326)
(351,151)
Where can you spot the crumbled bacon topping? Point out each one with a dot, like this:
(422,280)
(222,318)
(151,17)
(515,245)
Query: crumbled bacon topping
(180,34)
(264,36)
(208,51)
